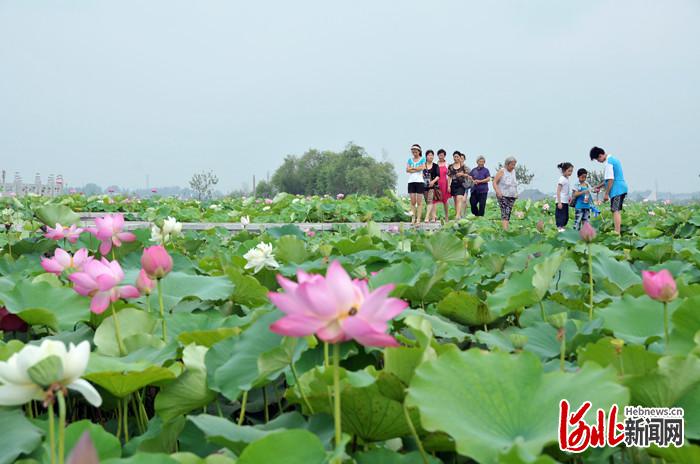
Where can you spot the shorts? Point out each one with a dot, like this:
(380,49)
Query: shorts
(457,189)
(506,204)
(616,202)
(416,187)
(582,216)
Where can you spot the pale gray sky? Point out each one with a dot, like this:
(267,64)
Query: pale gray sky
(109,91)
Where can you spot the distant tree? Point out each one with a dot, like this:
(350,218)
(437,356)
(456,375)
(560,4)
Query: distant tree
(203,183)
(265,189)
(92,189)
(326,172)
(523,174)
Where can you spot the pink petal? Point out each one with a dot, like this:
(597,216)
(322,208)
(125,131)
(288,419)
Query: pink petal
(332,333)
(105,247)
(288,303)
(99,302)
(126,236)
(129,291)
(341,286)
(296,326)
(318,299)
(105,282)
(83,279)
(363,332)
(286,284)
(50,265)
(62,257)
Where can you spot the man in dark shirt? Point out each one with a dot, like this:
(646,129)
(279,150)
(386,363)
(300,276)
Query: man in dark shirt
(480,189)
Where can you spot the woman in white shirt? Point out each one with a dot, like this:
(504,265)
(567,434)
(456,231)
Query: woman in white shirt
(416,186)
(563,196)
(506,186)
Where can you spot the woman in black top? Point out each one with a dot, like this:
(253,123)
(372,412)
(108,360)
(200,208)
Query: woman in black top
(456,173)
(431,175)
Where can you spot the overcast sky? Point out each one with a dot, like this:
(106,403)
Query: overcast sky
(110,91)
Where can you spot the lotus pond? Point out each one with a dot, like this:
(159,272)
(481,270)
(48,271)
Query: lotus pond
(146,352)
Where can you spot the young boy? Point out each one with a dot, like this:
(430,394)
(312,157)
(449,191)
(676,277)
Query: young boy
(615,185)
(581,196)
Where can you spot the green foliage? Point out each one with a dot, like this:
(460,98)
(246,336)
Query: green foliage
(326,172)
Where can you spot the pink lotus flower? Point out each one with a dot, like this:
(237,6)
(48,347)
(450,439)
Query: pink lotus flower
(336,308)
(59,233)
(310,232)
(545,207)
(156,261)
(340,196)
(587,232)
(108,230)
(667,202)
(268,201)
(393,229)
(144,284)
(660,285)
(99,280)
(154,190)
(62,261)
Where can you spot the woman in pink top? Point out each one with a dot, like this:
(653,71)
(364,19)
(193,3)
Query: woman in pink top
(442,183)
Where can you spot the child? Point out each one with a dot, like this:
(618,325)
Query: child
(563,196)
(583,200)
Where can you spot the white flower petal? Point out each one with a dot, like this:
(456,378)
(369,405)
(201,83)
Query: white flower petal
(14,395)
(76,361)
(84,387)
(10,373)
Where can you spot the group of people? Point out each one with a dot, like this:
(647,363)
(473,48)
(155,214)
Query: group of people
(435,182)
(579,195)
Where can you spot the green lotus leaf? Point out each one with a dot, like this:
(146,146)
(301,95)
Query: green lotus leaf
(503,400)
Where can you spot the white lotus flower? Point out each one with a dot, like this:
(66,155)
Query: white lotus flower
(266,208)
(18,387)
(259,257)
(245,220)
(172,227)
(162,235)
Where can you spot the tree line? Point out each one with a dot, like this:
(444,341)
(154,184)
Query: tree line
(317,172)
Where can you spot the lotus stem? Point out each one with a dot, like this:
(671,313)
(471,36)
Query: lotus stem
(562,348)
(117,331)
(125,418)
(544,319)
(336,396)
(301,390)
(61,426)
(415,434)
(162,310)
(590,284)
(325,354)
(267,412)
(52,434)
(666,323)
(148,303)
(244,400)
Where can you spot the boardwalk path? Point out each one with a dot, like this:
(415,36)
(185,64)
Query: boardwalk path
(89,218)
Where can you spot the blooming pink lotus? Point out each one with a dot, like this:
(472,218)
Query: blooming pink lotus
(587,232)
(99,280)
(310,232)
(109,230)
(340,196)
(156,262)
(660,285)
(336,308)
(62,261)
(59,233)
(268,201)
(144,284)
